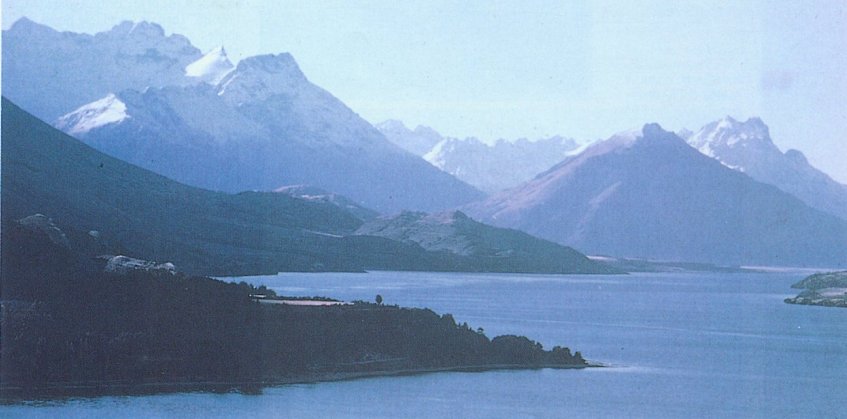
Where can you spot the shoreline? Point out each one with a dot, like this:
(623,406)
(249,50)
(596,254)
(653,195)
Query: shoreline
(12,395)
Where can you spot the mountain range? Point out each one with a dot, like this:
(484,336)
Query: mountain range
(318,176)
(488,167)
(747,147)
(648,194)
(119,208)
(50,73)
(157,102)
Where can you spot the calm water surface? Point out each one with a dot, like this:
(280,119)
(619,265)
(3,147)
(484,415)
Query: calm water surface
(679,345)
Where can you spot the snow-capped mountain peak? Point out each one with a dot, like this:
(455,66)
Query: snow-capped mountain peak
(747,147)
(256,78)
(730,133)
(211,67)
(109,110)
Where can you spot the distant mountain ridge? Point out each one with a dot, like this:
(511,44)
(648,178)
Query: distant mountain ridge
(418,141)
(50,73)
(747,147)
(647,194)
(489,167)
(193,118)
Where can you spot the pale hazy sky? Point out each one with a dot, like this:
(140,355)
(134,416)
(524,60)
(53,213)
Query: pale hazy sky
(491,69)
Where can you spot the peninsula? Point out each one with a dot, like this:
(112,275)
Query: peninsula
(117,325)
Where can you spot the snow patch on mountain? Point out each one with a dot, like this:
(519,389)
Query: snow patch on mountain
(715,138)
(262,126)
(109,110)
(259,77)
(747,147)
(51,73)
(489,167)
(212,67)
(650,195)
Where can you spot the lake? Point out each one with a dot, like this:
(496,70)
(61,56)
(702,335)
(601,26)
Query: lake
(677,345)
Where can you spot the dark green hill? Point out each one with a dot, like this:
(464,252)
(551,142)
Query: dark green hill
(498,249)
(149,216)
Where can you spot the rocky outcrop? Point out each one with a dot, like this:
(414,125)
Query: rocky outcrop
(122,265)
(822,289)
(823,280)
(44,224)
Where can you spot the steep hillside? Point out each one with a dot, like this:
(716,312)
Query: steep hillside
(155,101)
(150,216)
(647,194)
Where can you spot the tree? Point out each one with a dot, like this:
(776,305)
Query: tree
(379,299)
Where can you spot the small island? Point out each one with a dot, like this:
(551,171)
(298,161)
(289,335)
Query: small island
(822,289)
(75,325)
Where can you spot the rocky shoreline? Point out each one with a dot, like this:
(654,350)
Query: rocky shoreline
(822,289)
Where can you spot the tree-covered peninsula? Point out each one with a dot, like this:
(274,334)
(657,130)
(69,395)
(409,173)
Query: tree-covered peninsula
(74,324)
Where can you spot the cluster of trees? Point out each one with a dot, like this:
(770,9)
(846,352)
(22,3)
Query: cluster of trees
(66,321)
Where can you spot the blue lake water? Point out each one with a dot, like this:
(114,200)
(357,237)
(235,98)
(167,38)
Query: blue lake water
(679,345)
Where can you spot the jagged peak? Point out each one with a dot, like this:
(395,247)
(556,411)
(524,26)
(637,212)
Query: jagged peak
(26,24)
(653,133)
(797,156)
(425,130)
(392,125)
(653,129)
(141,28)
(755,121)
(728,132)
(753,125)
(212,67)
(261,76)
(282,63)
(650,134)
(728,120)
(684,133)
